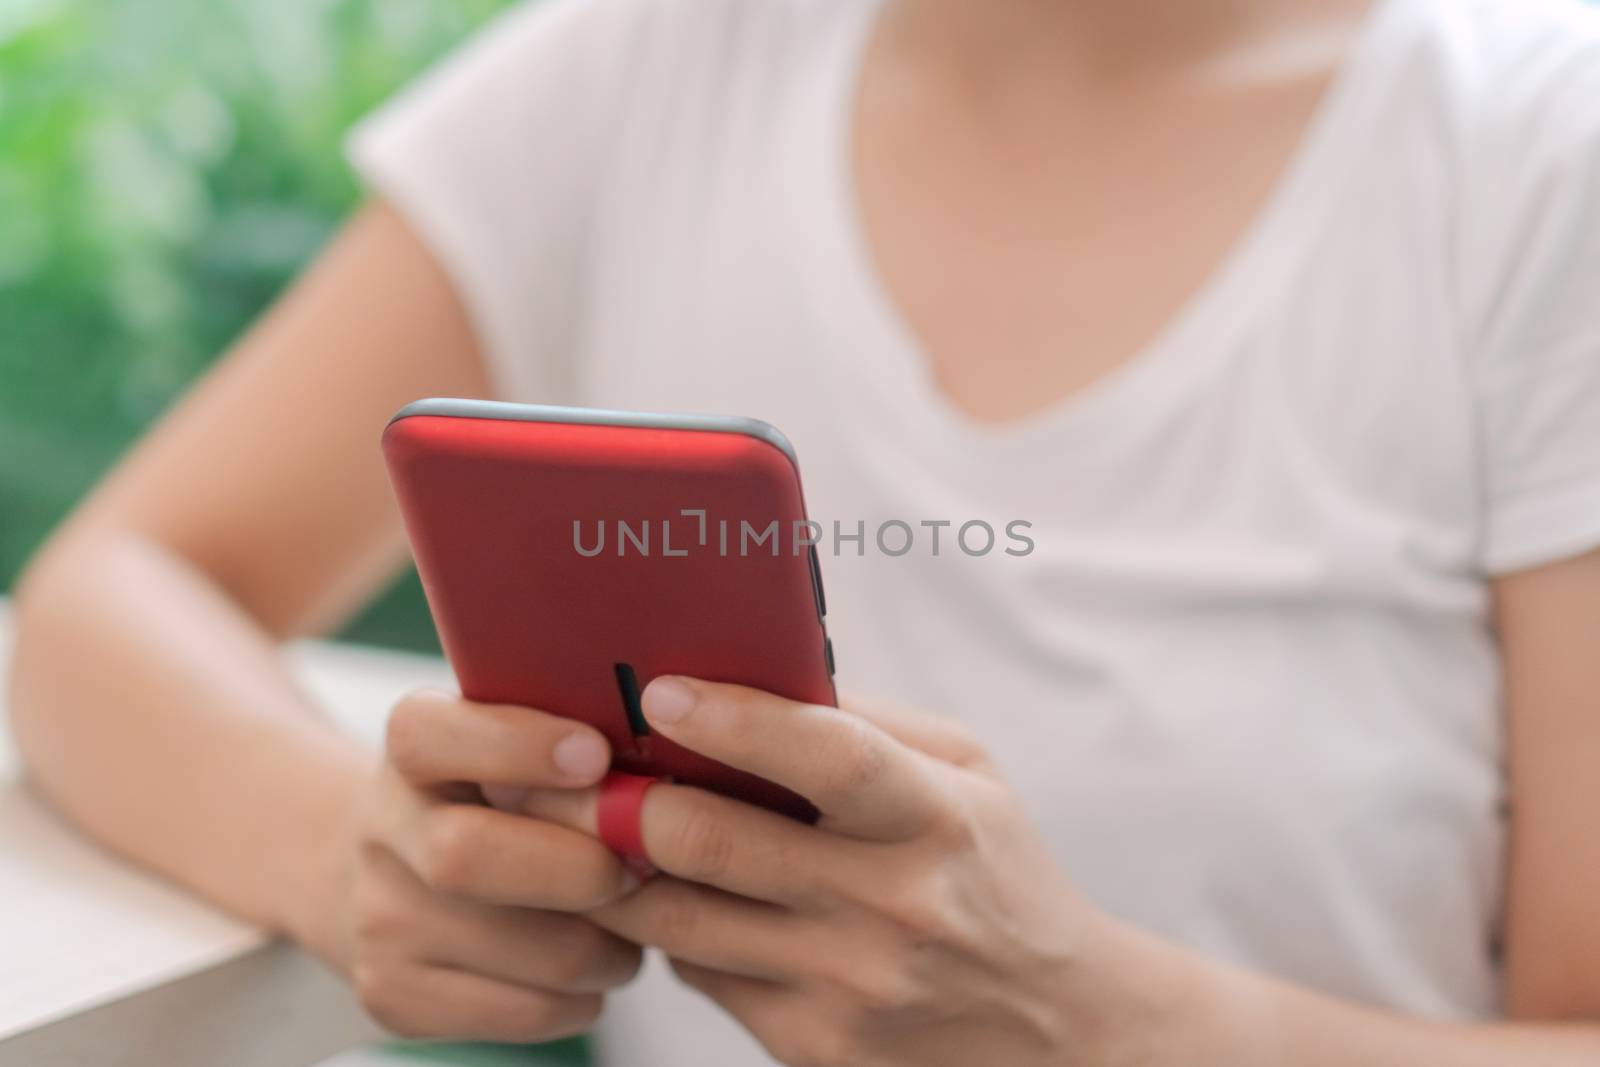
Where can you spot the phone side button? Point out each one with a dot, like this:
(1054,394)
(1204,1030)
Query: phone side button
(827,654)
(816,583)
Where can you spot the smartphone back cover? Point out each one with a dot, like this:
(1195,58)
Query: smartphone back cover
(503,515)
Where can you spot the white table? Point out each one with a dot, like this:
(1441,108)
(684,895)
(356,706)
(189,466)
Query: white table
(102,964)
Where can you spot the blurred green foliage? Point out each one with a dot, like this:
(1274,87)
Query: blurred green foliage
(165,167)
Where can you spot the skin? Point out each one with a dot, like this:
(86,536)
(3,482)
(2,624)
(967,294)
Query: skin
(1109,155)
(232,528)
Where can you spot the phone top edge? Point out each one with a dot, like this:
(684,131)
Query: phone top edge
(576,416)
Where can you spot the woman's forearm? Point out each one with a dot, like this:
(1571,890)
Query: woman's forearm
(157,715)
(1193,1012)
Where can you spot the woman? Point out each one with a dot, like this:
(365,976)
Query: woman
(1273,319)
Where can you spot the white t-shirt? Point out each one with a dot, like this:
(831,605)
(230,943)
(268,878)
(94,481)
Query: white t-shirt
(1244,681)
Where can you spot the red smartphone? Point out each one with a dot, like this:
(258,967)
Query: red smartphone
(571,555)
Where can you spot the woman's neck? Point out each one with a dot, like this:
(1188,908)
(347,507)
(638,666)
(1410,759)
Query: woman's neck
(1114,40)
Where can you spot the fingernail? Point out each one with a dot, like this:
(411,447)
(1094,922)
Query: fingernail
(667,700)
(581,755)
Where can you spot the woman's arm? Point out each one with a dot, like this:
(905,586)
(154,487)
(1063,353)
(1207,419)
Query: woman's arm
(922,922)
(148,700)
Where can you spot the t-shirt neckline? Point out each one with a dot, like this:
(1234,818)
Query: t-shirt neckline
(897,370)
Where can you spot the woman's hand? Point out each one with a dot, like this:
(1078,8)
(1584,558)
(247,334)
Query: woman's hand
(920,922)
(462,921)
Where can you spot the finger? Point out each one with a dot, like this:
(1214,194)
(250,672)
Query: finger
(710,927)
(864,782)
(538,949)
(702,837)
(430,1003)
(766,1009)
(495,857)
(937,736)
(435,738)
(729,990)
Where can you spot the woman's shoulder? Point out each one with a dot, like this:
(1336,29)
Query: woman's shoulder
(1514,60)
(1515,100)
(715,41)
(551,87)
(1509,92)
(1524,27)
(697,29)
(633,62)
